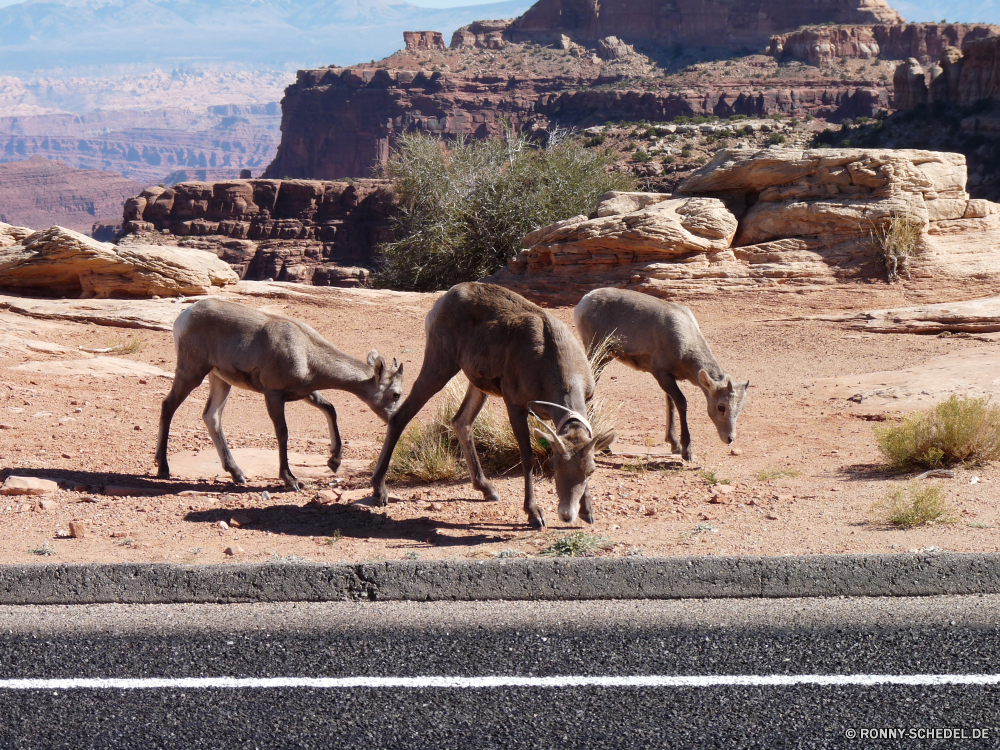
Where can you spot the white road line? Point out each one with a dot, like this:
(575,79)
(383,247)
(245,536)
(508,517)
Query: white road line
(482,683)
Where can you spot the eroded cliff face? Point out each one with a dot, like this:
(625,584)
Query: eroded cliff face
(711,23)
(926,42)
(340,123)
(306,231)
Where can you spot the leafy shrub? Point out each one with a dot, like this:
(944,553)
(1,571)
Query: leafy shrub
(959,430)
(463,207)
(641,157)
(776,139)
(577,544)
(914,506)
(895,242)
(686,152)
(597,140)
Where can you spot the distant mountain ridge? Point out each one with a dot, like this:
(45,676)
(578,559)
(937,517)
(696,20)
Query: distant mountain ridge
(275,34)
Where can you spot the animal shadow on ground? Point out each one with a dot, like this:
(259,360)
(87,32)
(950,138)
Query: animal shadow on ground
(867,472)
(355,521)
(95,482)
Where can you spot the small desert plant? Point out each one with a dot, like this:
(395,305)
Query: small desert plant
(577,544)
(915,505)
(895,242)
(766,475)
(711,479)
(776,139)
(45,550)
(959,430)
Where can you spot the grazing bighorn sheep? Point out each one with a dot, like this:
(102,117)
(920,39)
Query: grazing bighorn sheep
(511,348)
(282,358)
(663,338)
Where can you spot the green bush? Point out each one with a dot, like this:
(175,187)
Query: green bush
(641,157)
(961,430)
(464,206)
(776,139)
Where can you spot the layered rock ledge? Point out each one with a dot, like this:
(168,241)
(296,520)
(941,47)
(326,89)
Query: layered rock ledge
(777,218)
(306,231)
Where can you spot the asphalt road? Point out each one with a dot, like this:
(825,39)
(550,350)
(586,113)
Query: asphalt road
(707,658)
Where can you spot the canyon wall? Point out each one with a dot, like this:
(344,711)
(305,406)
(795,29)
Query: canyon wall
(306,231)
(340,123)
(732,24)
(42,193)
(965,78)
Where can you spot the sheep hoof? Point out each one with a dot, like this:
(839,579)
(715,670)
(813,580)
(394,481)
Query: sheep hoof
(163,473)
(536,519)
(334,464)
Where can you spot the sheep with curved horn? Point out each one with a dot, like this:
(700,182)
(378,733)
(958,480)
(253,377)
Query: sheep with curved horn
(511,348)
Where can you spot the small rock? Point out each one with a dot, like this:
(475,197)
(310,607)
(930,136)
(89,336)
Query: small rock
(736,452)
(352,496)
(48,505)
(78,410)
(707,517)
(28,486)
(6,426)
(233,551)
(974,480)
(143,509)
(435,506)
(327,497)
(138,428)
(651,512)
(771,517)
(42,414)
(720,499)
(265,496)
(223,525)
(119,535)
(66,455)
(77,529)
(239,520)
(142,381)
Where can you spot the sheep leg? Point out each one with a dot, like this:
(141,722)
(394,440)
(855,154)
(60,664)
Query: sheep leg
(275,401)
(336,446)
(672,441)
(473,403)
(669,384)
(218,395)
(519,423)
(428,383)
(587,507)
(180,390)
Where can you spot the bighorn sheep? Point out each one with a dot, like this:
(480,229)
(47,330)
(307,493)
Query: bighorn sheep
(511,348)
(282,358)
(663,338)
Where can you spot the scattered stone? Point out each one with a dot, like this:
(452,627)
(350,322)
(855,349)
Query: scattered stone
(736,452)
(328,497)
(6,426)
(48,505)
(77,529)
(138,428)
(66,455)
(233,551)
(239,520)
(771,517)
(15,485)
(265,496)
(434,506)
(119,535)
(223,525)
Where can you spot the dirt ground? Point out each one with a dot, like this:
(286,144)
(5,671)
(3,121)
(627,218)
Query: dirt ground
(802,476)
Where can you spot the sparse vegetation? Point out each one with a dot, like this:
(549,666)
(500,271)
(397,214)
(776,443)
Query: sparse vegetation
(711,479)
(464,206)
(895,242)
(914,505)
(776,139)
(766,475)
(961,430)
(577,544)
(45,550)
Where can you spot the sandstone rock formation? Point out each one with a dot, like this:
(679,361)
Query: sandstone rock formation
(59,261)
(775,218)
(421,40)
(39,192)
(481,35)
(711,23)
(926,42)
(289,230)
(961,77)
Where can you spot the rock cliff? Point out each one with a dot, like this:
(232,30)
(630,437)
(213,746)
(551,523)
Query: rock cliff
(340,123)
(307,231)
(964,77)
(777,218)
(38,192)
(732,24)
(926,42)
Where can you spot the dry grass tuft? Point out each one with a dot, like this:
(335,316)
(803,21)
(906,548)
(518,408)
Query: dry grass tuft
(895,242)
(577,544)
(961,430)
(913,506)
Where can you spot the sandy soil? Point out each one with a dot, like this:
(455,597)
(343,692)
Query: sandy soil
(804,472)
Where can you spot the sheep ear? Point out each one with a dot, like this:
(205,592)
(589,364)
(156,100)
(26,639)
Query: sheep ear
(602,441)
(379,368)
(372,356)
(551,438)
(705,380)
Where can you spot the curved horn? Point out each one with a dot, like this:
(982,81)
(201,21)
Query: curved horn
(561,415)
(556,440)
